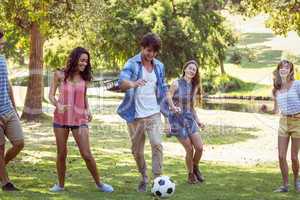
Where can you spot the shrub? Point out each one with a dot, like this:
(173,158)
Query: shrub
(226,83)
(236,57)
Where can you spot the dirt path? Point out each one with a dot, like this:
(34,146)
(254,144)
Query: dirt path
(261,149)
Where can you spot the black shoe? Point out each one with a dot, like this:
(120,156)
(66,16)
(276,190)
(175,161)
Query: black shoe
(9,187)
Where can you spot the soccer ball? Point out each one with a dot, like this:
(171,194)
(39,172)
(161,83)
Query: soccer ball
(163,187)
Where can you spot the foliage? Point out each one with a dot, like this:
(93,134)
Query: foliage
(189,29)
(226,83)
(284,15)
(23,81)
(236,56)
(17,17)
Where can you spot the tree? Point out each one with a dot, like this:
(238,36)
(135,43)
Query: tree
(17,46)
(189,29)
(39,20)
(284,15)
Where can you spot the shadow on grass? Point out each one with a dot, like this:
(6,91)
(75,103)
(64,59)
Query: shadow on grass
(265,57)
(220,135)
(261,57)
(114,136)
(255,38)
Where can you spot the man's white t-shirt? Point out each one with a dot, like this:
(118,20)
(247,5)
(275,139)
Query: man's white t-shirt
(145,96)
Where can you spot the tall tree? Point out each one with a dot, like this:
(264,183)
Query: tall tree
(39,19)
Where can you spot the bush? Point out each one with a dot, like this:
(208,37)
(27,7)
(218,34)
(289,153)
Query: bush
(250,54)
(207,86)
(236,57)
(225,83)
(297,73)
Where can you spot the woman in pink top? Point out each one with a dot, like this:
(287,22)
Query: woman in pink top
(72,113)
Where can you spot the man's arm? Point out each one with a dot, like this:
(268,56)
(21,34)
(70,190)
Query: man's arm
(126,84)
(164,83)
(124,79)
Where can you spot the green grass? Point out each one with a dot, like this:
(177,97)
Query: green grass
(265,51)
(218,135)
(34,169)
(222,181)
(254,38)
(264,57)
(250,89)
(34,172)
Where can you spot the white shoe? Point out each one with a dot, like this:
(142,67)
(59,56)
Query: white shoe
(103,187)
(56,188)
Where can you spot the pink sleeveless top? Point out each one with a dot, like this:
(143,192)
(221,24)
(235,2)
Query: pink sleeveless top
(72,95)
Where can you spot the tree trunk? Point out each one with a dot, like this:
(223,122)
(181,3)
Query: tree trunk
(21,57)
(222,66)
(33,103)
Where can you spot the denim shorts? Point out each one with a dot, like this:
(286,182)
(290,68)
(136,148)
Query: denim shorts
(55,125)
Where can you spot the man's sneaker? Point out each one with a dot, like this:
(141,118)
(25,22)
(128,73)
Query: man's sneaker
(142,186)
(9,187)
(105,187)
(56,188)
(282,189)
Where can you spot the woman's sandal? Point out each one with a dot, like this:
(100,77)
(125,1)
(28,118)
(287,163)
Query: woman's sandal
(192,178)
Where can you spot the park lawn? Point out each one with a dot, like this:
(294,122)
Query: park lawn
(249,89)
(34,170)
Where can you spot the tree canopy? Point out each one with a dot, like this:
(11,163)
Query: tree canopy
(284,15)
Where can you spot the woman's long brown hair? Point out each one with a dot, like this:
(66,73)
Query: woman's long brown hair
(73,62)
(277,80)
(196,78)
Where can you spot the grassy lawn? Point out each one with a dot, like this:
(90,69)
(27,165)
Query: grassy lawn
(265,50)
(250,89)
(34,170)
(223,182)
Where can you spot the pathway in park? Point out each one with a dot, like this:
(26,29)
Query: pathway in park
(261,149)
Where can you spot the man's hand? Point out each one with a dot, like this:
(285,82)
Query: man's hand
(17,113)
(175,109)
(139,83)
